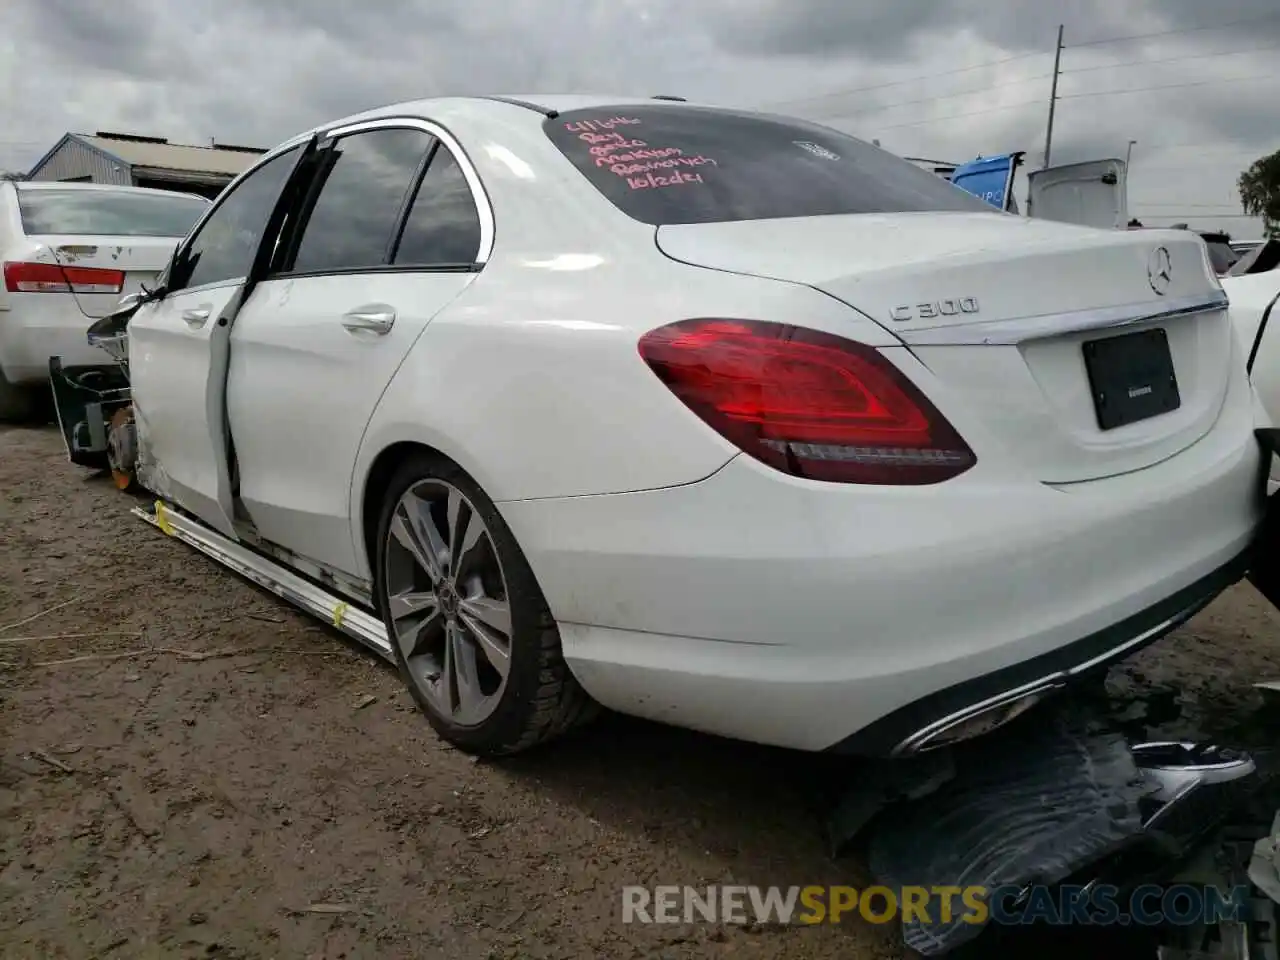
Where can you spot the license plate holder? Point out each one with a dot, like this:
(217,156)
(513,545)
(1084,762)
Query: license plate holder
(1131,377)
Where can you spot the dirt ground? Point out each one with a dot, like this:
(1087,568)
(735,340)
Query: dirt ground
(283,798)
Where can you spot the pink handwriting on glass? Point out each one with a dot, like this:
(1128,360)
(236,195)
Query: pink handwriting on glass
(630,157)
(590,126)
(606,144)
(650,180)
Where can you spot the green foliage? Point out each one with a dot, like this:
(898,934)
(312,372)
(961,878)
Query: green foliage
(1260,192)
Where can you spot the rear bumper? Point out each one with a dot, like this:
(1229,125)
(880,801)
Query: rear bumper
(908,728)
(817,617)
(38,326)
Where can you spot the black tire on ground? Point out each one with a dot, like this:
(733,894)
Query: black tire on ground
(542,700)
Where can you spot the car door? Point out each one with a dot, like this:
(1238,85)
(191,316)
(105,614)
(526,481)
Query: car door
(178,346)
(390,234)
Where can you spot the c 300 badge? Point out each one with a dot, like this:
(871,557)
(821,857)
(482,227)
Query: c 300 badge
(936,308)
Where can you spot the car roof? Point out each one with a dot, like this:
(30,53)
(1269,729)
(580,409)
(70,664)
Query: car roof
(558,103)
(495,106)
(491,108)
(25,185)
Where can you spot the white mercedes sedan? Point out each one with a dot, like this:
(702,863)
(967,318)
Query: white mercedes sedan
(718,418)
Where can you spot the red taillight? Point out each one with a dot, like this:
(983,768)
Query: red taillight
(52,278)
(810,404)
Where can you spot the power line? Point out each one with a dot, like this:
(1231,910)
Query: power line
(1169,168)
(945,96)
(1202,144)
(1038,53)
(958,116)
(1070,96)
(1166,86)
(1170,33)
(897,83)
(1077,96)
(1193,165)
(1143,63)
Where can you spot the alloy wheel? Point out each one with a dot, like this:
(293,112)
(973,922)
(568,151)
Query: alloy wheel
(447,602)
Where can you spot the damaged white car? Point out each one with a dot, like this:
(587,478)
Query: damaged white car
(722,419)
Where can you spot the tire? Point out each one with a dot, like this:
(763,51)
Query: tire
(17,404)
(450,672)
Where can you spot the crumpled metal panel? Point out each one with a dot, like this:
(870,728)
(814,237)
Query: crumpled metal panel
(1047,800)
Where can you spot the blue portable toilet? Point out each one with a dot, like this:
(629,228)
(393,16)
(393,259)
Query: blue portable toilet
(990,179)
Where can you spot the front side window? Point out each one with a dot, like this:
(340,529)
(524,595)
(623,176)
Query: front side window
(227,242)
(443,226)
(108,213)
(364,182)
(667,164)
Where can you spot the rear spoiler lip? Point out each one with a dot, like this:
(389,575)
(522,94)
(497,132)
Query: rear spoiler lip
(1013,332)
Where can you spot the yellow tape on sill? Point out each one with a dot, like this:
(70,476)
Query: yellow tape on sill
(162,519)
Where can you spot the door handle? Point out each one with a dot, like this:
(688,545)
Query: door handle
(375,318)
(196,316)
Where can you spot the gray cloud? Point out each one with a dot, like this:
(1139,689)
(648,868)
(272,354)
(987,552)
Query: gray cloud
(887,30)
(257,71)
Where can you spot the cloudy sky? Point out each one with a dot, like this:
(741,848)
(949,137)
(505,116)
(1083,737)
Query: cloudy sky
(1192,82)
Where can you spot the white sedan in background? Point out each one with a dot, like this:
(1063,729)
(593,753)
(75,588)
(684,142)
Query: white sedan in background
(69,251)
(722,419)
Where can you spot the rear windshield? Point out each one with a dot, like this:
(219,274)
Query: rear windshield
(114,213)
(1222,255)
(669,165)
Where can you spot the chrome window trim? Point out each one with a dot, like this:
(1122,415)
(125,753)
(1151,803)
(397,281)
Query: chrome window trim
(481,199)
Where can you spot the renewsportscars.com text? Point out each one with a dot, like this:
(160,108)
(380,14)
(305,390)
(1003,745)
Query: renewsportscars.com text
(1098,905)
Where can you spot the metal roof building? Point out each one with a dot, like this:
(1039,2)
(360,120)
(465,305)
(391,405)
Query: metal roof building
(130,160)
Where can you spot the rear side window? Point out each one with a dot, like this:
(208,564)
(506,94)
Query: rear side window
(115,213)
(670,165)
(443,227)
(363,189)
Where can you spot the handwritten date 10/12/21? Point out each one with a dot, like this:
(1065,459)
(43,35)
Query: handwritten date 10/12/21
(641,165)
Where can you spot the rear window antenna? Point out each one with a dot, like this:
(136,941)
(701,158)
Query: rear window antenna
(667,96)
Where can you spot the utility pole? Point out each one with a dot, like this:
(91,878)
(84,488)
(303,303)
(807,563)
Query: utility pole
(1053,98)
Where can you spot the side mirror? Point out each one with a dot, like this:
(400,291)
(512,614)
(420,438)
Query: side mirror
(109,330)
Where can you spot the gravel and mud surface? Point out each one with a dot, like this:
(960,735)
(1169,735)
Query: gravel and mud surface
(189,768)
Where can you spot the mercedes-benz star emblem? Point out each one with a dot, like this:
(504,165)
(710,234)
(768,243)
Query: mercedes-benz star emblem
(1160,270)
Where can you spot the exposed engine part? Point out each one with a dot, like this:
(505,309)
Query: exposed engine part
(90,434)
(122,448)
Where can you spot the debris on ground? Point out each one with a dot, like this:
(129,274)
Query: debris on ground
(1040,802)
(51,761)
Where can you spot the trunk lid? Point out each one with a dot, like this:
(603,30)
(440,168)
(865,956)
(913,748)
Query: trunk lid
(140,259)
(999,308)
